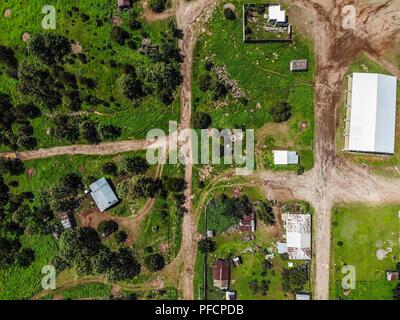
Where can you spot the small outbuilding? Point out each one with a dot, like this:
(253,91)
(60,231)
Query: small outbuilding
(123,4)
(221,274)
(103,195)
(210,233)
(230,295)
(67,220)
(237,261)
(248,223)
(299,65)
(392,275)
(303,296)
(285,157)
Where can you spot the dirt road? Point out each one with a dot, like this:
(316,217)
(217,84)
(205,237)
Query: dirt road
(332,180)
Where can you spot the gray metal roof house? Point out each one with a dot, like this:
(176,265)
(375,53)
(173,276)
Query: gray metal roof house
(103,195)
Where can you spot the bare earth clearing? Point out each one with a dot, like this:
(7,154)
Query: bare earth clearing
(332,180)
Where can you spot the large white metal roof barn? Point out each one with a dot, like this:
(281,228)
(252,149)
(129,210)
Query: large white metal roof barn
(372,113)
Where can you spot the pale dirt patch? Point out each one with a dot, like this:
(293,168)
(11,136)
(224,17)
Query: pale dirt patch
(30,172)
(7,13)
(116,21)
(25,37)
(76,48)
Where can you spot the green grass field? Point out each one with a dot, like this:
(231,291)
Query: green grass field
(82,291)
(97,44)
(22,283)
(358,232)
(262,71)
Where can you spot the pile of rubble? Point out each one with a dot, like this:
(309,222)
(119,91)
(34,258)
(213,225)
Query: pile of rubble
(223,77)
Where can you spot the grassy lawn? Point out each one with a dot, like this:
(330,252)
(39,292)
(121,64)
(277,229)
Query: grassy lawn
(22,283)
(358,232)
(380,164)
(262,72)
(82,291)
(100,49)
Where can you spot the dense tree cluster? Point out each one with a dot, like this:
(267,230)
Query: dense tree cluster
(265,212)
(83,251)
(294,279)
(63,195)
(51,48)
(16,130)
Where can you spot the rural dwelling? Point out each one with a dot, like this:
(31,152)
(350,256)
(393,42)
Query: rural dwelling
(67,220)
(230,295)
(299,65)
(248,223)
(221,274)
(103,195)
(303,296)
(371,113)
(277,16)
(392,275)
(298,235)
(123,4)
(285,157)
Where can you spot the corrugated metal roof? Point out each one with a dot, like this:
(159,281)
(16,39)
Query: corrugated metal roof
(373,113)
(102,194)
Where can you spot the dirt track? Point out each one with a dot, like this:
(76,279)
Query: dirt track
(332,180)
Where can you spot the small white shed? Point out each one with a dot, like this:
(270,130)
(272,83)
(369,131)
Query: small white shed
(285,157)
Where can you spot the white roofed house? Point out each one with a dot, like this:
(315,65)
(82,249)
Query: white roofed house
(285,157)
(371,113)
(298,235)
(103,195)
(276,16)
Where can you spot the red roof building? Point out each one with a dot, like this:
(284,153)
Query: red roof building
(123,4)
(221,274)
(248,223)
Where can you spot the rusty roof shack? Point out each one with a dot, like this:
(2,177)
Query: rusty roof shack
(221,274)
(123,4)
(299,65)
(248,223)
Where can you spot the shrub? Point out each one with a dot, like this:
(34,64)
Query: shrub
(107,227)
(110,168)
(158,5)
(154,262)
(229,14)
(207,245)
(121,236)
(201,120)
(280,112)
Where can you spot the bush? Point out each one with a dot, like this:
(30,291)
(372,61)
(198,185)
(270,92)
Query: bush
(109,131)
(280,112)
(107,227)
(136,165)
(49,47)
(207,245)
(110,168)
(201,120)
(229,14)
(158,5)
(154,262)
(121,236)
